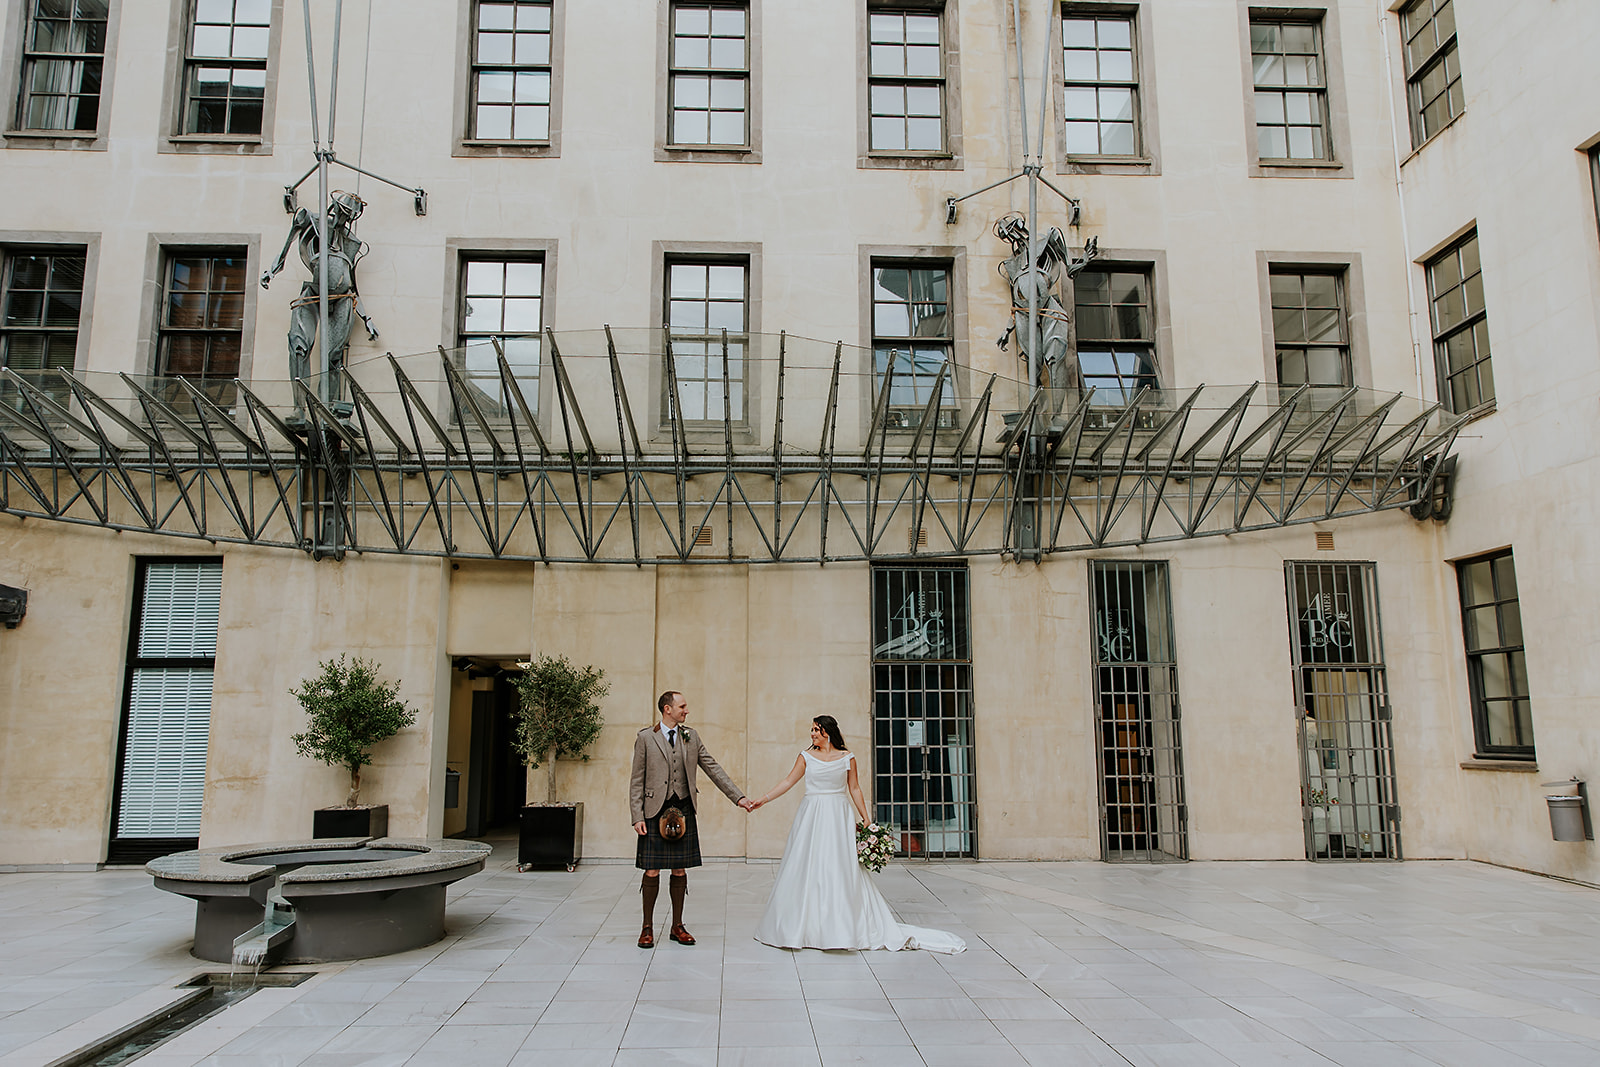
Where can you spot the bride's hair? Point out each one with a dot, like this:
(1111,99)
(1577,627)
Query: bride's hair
(830,726)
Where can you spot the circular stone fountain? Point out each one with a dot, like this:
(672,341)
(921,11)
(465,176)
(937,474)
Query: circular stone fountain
(315,901)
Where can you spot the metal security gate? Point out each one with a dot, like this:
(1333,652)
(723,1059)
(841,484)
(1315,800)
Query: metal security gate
(1143,815)
(1341,691)
(922,709)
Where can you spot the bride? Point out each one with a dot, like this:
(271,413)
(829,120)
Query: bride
(823,897)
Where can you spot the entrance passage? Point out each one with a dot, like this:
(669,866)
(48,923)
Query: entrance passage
(493,780)
(1143,815)
(922,709)
(1346,749)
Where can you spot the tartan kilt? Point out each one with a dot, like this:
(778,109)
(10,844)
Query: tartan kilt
(656,853)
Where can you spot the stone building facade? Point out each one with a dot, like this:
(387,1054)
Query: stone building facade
(1361,200)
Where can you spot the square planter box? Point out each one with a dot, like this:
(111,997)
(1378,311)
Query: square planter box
(351,822)
(550,837)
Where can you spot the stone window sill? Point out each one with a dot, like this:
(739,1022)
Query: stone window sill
(68,140)
(1515,766)
(215,138)
(707,154)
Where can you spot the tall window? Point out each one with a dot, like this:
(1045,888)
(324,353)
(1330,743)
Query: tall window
(1310,328)
(1433,69)
(225,66)
(704,299)
(202,314)
(501,299)
(1101,95)
(42,301)
(906,82)
(1291,90)
(911,330)
(1497,672)
(166,726)
(511,71)
(709,82)
(1116,333)
(63,55)
(1460,327)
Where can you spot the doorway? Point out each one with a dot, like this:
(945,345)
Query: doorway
(1143,814)
(1346,748)
(922,710)
(494,781)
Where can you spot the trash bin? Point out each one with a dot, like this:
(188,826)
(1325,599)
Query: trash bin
(452,787)
(1566,818)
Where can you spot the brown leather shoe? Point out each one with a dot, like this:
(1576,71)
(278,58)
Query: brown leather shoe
(647,938)
(681,935)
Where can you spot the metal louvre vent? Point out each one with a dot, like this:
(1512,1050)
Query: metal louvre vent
(1143,813)
(922,710)
(1347,780)
(167,717)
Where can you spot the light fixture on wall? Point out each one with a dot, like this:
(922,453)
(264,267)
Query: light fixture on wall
(13,605)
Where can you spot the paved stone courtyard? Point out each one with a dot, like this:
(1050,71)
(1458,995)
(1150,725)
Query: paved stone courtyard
(1068,963)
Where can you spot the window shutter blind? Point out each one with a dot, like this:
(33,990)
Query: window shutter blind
(169,707)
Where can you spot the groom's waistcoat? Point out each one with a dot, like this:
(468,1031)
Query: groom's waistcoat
(677,775)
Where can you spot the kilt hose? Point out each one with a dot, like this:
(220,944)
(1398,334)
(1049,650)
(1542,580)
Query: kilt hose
(656,853)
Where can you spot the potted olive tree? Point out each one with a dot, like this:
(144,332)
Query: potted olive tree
(557,716)
(348,710)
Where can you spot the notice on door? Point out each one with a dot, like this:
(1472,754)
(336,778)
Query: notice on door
(914,732)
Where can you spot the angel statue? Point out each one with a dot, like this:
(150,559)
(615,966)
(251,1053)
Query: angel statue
(344,301)
(1056,371)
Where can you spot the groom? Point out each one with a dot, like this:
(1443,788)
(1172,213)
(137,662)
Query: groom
(664,760)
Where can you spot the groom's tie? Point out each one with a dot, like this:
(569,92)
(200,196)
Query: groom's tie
(672,739)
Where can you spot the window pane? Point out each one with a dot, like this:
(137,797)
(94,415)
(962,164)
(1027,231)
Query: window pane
(723,282)
(922,61)
(727,127)
(924,135)
(1116,66)
(1117,140)
(1078,33)
(922,29)
(497,16)
(524,279)
(522,315)
(1081,104)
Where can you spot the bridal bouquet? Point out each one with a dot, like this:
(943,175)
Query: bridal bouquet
(874,846)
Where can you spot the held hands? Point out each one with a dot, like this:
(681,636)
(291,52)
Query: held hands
(749,805)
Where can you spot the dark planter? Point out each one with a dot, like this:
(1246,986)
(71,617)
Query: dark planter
(550,837)
(364,821)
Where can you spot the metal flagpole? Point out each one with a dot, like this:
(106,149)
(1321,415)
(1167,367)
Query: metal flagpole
(322,212)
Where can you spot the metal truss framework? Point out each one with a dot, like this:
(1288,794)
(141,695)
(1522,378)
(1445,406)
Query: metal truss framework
(443,463)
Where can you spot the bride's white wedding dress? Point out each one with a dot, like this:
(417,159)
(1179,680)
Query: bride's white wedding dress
(823,897)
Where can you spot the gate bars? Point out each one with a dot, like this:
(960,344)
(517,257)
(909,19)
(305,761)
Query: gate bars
(588,458)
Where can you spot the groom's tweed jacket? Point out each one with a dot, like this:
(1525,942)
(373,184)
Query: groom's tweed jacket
(651,783)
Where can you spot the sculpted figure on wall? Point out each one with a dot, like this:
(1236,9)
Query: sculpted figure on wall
(345,250)
(1057,372)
